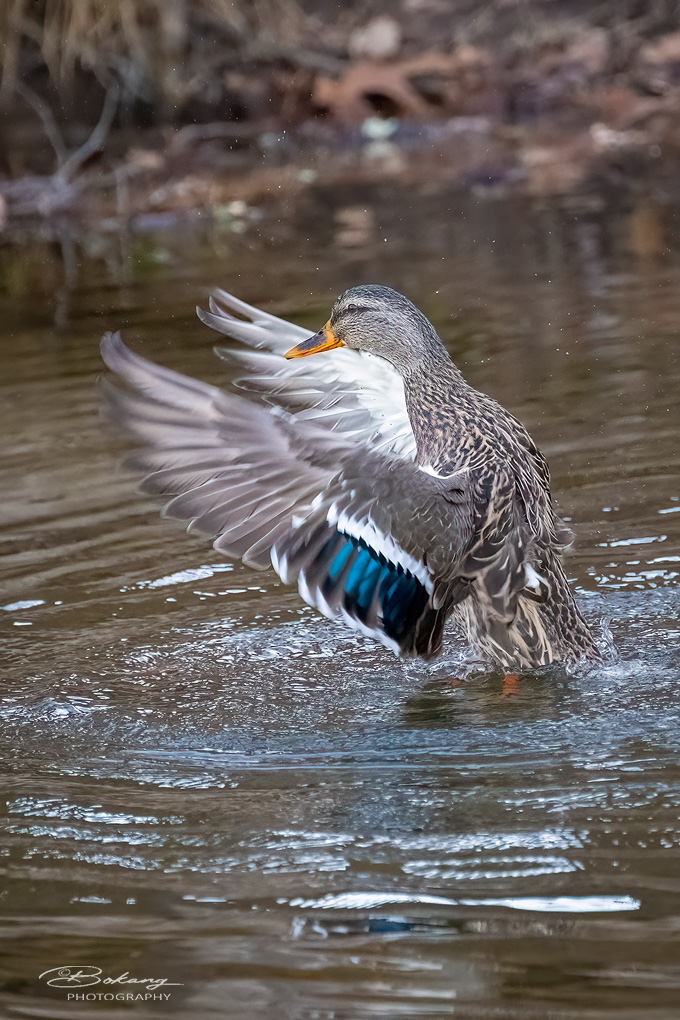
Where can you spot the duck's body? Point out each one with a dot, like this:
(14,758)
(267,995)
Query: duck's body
(393,492)
(519,609)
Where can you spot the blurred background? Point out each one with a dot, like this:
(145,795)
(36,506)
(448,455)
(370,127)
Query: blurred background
(120,109)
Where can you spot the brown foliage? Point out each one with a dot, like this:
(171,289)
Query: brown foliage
(406,87)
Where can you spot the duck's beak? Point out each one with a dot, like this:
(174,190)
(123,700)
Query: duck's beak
(324,340)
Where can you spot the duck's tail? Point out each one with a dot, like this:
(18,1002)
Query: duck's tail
(546,625)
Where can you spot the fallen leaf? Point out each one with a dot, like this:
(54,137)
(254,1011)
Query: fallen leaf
(368,85)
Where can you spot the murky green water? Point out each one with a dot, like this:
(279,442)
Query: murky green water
(206,782)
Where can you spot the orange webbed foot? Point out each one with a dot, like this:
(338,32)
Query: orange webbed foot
(511,684)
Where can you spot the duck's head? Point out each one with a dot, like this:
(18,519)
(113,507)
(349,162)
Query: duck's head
(380,321)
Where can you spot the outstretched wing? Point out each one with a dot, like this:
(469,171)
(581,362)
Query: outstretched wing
(228,464)
(351,392)
(334,516)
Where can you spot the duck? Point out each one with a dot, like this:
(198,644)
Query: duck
(360,465)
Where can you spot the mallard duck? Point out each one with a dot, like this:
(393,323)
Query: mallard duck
(393,493)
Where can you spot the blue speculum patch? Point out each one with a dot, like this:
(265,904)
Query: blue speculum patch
(400,594)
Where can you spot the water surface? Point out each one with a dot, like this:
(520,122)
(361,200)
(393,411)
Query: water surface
(204,781)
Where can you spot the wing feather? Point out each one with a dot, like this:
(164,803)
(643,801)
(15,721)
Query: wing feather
(271,487)
(350,392)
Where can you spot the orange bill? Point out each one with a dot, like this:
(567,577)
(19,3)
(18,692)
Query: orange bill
(324,340)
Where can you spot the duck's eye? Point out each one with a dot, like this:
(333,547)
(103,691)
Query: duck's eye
(351,308)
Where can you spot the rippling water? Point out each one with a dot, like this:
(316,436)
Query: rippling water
(206,782)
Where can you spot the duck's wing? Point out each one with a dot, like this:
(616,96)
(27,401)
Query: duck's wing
(268,487)
(353,393)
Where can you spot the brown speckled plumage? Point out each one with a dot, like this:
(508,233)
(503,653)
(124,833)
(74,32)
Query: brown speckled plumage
(392,510)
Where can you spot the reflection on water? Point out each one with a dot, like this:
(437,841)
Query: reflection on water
(206,782)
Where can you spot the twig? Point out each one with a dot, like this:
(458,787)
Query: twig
(68,166)
(74,162)
(191,133)
(47,117)
(301,56)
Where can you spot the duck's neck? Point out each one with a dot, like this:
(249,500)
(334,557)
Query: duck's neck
(435,390)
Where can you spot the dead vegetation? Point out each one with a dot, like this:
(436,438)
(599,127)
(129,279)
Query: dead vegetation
(159,52)
(531,94)
(177,60)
